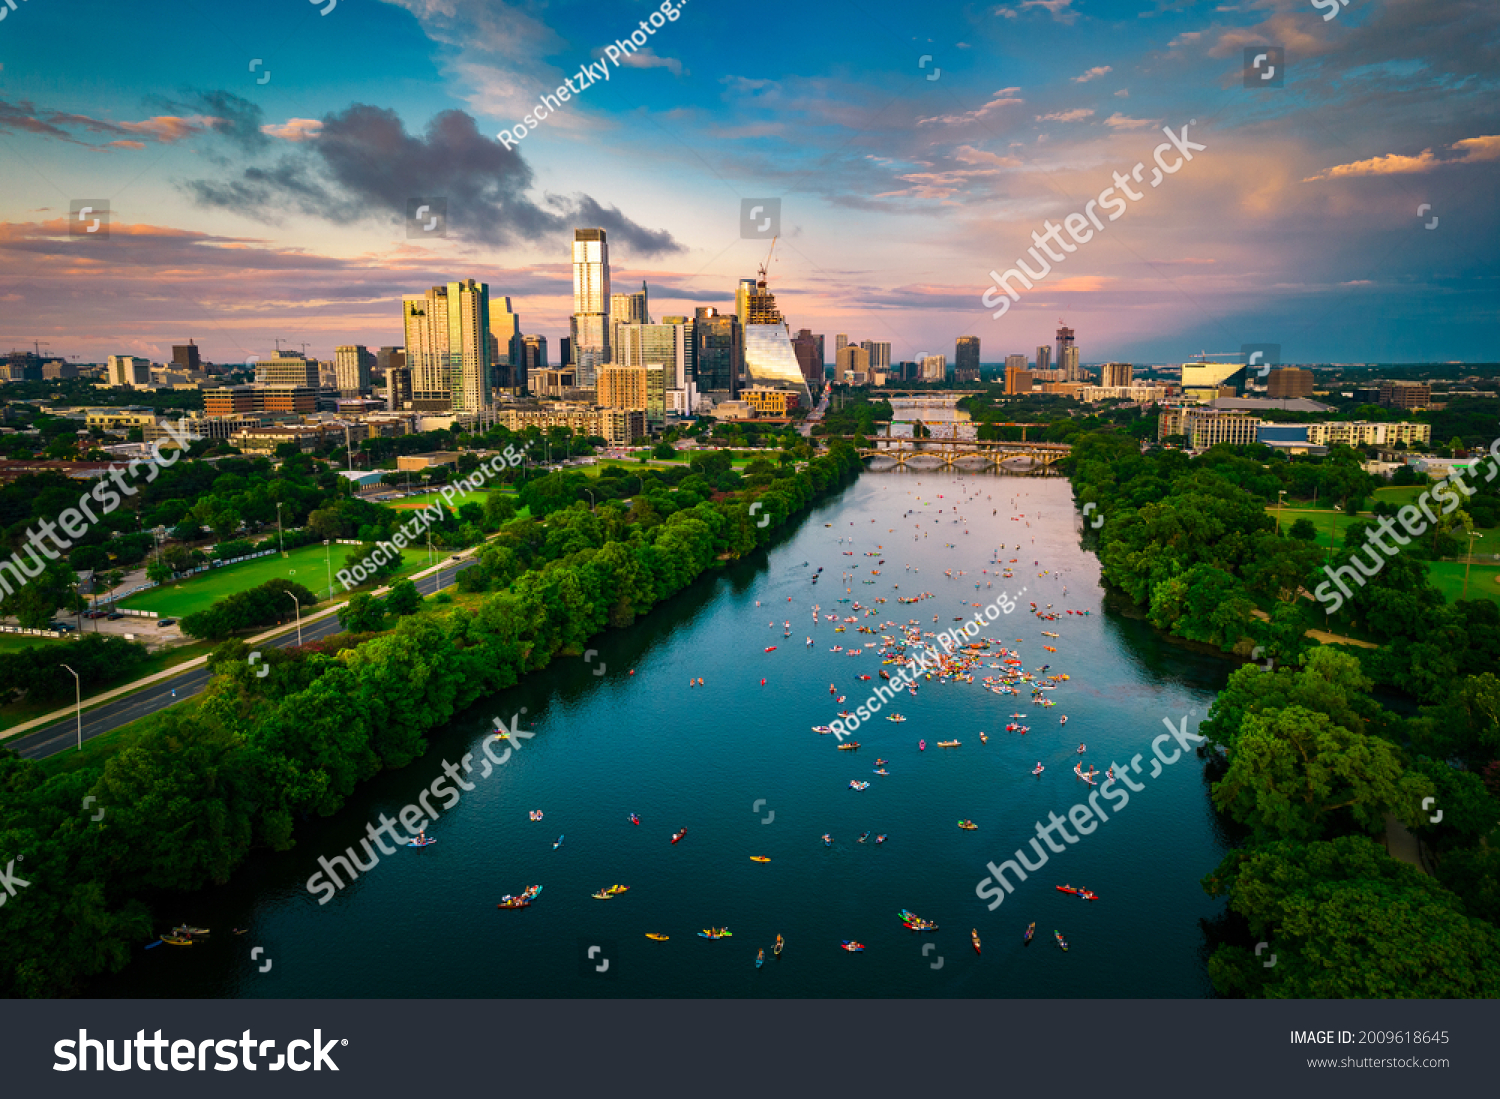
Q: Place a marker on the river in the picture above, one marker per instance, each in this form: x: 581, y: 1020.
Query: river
x: 735, y: 763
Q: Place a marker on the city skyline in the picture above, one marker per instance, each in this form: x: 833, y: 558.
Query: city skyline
x: 241, y: 207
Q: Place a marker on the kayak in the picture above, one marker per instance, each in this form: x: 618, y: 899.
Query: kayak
x: 1062, y: 942
x: 855, y: 785
x: 656, y: 936
x: 780, y: 942
x: 983, y: 739
x: 677, y: 836
x: 1068, y: 889
x: 968, y: 825
x: 558, y: 844
x: 428, y: 842
x: 770, y: 648
x: 827, y: 840
x: 634, y: 819
x: 893, y: 717
x: 760, y: 958
x: 879, y: 839
x: 1039, y: 769
x: 853, y: 744
x: 759, y: 858
x: 716, y: 933
x: 616, y: 890
x: 535, y: 814
x: 881, y: 771
x: 921, y: 745
x: 974, y: 934
x: 863, y: 837
x: 853, y: 947
x: 948, y: 743
x: 1030, y: 931
x: 177, y: 942
x: 602, y: 895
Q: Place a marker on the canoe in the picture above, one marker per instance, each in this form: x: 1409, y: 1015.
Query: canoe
x: 1062, y: 942
x: 677, y: 836
x: 780, y: 942
x: 853, y: 947
x: 616, y: 890
x: 853, y: 744
x: 974, y: 934
x: 1030, y: 931
x: 968, y: 825
x: 602, y: 895
x: 949, y: 743
x: 656, y: 936
x: 759, y: 858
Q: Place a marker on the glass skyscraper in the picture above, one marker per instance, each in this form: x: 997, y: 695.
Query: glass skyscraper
x: 590, y: 327
x: 448, y: 347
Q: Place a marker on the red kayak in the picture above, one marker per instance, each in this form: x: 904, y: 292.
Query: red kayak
x: 679, y: 835
x: 770, y: 648
x: 922, y: 745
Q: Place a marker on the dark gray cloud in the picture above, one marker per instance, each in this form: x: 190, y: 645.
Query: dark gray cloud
x: 365, y: 165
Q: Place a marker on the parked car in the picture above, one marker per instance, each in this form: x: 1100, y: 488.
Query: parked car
x: 113, y: 616
x: 162, y: 623
x: 456, y: 557
x: 60, y: 627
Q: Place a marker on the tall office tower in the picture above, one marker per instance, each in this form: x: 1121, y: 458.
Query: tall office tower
x: 822, y: 362
x: 769, y: 358
x: 129, y: 370
x: 287, y: 368
x: 390, y: 358
x: 533, y: 358
x: 908, y: 371
x: 840, y: 342
x: 1017, y: 377
x: 671, y: 347
x: 742, y: 291
x: 880, y: 355
x: 352, y: 365
x: 1288, y: 381
x: 852, y: 360
x: 565, y: 351
x: 966, y: 359
x: 1115, y: 374
x: 934, y: 368
x: 1069, y: 364
x: 1064, y: 340
x: 1043, y: 357
x: 718, y: 352
x: 505, y: 326
x: 805, y: 346
x: 185, y: 356
x: 590, y: 326
x: 628, y: 309
x: 448, y: 347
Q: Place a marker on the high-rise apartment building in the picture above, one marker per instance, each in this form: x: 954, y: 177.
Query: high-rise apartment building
x: 808, y: 350
x: 821, y: 359
x: 1014, y: 362
x: 670, y: 347
x: 880, y: 355
x: 1288, y: 381
x: 1064, y: 341
x: 397, y: 388
x: 840, y: 342
x: 627, y: 309
x: 1115, y: 374
x: 591, y: 297
x: 390, y: 358
x: 533, y: 357
x: 287, y: 368
x: 966, y: 359
x: 1043, y: 357
x: 352, y: 368
x: 719, y: 351
x: 934, y: 368
x: 505, y: 352
x: 129, y: 370
x: 185, y: 356
x: 622, y: 387
x: 1405, y: 394
x: 852, y: 367
x: 448, y: 347
x: 1069, y: 364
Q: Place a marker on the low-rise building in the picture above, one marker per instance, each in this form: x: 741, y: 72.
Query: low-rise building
x: 1139, y: 393
x: 777, y: 403
x: 1206, y: 427
x: 1365, y: 433
x: 431, y: 460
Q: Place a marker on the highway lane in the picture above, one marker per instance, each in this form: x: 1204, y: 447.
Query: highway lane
x: 47, y: 741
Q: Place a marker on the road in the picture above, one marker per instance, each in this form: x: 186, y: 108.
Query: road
x: 64, y: 735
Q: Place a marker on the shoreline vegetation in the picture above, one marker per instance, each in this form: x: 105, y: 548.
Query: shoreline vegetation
x: 1308, y: 768
x: 201, y: 787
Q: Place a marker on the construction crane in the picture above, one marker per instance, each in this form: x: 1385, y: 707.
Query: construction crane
x: 38, y: 345
x: 762, y: 283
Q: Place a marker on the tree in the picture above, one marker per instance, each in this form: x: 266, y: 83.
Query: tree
x: 158, y: 571
x: 664, y: 451
x: 35, y: 602
x: 403, y: 598
x: 364, y: 613
x: 1291, y: 769
x: 1348, y: 921
x: 1304, y: 531
x: 499, y: 508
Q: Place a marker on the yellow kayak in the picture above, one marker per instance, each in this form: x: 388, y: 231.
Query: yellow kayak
x: 759, y: 858
x: 657, y: 937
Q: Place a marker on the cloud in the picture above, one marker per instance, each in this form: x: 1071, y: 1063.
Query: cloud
x: 23, y: 116
x: 647, y: 58
x: 1074, y: 115
x: 1005, y: 97
x: 1123, y: 93
x: 1061, y: 10
x: 967, y: 154
x: 1120, y: 122
x: 364, y: 165
x: 1093, y: 74
x: 1185, y: 39
x: 294, y: 129
x: 1473, y: 150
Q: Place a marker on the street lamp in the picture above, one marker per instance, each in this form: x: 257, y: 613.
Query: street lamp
x: 328, y: 560
x: 297, y: 603
x: 280, y: 548
x: 78, y: 696
x: 1468, y: 561
x: 1279, y: 494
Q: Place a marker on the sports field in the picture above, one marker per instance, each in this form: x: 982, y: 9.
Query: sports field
x: 307, y: 566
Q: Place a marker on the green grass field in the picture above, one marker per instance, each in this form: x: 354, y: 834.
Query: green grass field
x: 15, y: 642
x: 307, y: 566
x: 1448, y: 578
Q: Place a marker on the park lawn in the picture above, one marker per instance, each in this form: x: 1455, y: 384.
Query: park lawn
x: 1448, y: 578
x: 426, y: 500
x: 307, y: 565
x: 15, y: 642
x: 1400, y: 495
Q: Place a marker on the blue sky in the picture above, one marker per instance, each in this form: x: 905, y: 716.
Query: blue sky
x: 247, y: 207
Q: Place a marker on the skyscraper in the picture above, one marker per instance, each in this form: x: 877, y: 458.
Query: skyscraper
x: 719, y: 352
x: 1069, y: 364
x: 1288, y: 381
x: 1017, y: 377
x: 1043, y: 357
x: 840, y: 342
x: 742, y: 292
x: 627, y: 309
x: 880, y: 355
x: 185, y: 356
x: 671, y: 347
x: 966, y: 359
x: 351, y: 366
x: 809, y: 358
x: 533, y: 358
x: 1064, y: 340
x: 769, y: 358
x: 852, y: 361
x: 590, y: 327
x: 821, y: 360
x: 1115, y: 374
x: 505, y: 326
x: 934, y: 368
x: 448, y: 347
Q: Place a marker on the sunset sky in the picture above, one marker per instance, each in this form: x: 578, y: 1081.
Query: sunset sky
x: 244, y: 209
